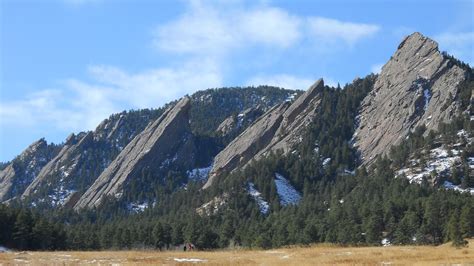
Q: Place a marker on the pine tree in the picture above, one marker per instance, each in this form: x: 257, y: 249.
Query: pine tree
x: 42, y: 237
x: 453, y: 230
x: 22, y: 229
x: 466, y: 221
x: 158, y: 235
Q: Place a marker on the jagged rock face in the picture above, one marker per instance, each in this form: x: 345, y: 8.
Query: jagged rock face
x: 15, y: 178
x: 59, y: 169
x: 277, y: 129
x: 167, y: 138
x: 83, y: 158
x: 416, y: 87
x: 234, y: 123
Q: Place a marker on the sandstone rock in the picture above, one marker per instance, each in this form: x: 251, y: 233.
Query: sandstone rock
x: 62, y: 165
x: 414, y: 88
x: 277, y: 129
x: 15, y: 178
x: 167, y: 138
x: 84, y: 157
x: 7, y: 179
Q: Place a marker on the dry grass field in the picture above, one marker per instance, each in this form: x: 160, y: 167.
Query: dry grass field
x: 315, y: 255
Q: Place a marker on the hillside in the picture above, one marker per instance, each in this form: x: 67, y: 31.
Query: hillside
x: 386, y: 159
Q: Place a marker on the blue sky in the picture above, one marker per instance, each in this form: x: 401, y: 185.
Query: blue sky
x: 65, y: 65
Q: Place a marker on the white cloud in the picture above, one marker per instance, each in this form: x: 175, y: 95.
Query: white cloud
x: 269, y: 26
x: 332, y: 30
x: 460, y: 44
x: 80, y: 105
x: 154, y: 87
x: 214, y: 30
x: 204, y: 39
x: 376, y: 68
x: 220, y: 29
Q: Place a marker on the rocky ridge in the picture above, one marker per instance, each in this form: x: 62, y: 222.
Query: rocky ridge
x: 277, y: 129
x: 167, y: 137
x: 83, y: 157
x: 15, y: 178
x: 417, y: 86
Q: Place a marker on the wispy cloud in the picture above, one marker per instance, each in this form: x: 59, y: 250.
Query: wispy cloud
x: 80, y: 105
x: 200, y: 40
x: 328, y: 29
x: 215, y: 29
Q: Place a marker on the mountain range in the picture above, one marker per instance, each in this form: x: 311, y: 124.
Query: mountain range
x: 213, y: 136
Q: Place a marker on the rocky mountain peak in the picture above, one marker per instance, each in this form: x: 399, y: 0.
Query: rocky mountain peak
x: 25, y: 168
x: 277, y: 129
x: 35, y: 146
x: 416, y: 87
x: 166, y: 139
x: 418, y: 40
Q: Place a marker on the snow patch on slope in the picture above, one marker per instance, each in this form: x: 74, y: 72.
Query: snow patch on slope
x: 449, y: 185
x: 427, y: 97
x: 326, y: 161
x: 287, y: 193
x: 440, y: 162
x: 137, y: 207
x: 199, y: 174
x: 257, y: 196
x: 61, y: 194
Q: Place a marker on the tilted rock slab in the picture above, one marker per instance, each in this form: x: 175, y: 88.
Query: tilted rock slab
x: 414, y: 88
x: 167, y: 137
x: 62, y: 165
x: 278, y: 129
x: 16, y: 177
x: 82, y: 159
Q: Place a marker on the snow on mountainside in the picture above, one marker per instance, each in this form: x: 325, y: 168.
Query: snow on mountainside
x: 19, y: 173
x: 137, y: 207
x: 449, y: 185
x: 438, y: 163
x: 257, y: 196
x: 199, y: 174
x: 287, y: 193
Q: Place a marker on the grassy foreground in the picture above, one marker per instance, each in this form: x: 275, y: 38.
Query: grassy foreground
x: 315, y: 255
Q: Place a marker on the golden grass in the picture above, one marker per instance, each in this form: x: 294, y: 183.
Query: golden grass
x: 314, y: 255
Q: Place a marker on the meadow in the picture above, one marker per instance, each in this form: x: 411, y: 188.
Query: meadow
x: 314, y: 255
